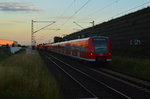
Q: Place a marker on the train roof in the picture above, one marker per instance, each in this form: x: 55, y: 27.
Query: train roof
x: 82, y: 39
x: 99, y: 37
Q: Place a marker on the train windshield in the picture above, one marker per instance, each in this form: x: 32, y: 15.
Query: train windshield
x: 100, y: 45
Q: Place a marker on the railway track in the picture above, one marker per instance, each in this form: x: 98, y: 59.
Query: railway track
x: 94, y: 87
x: 138, y: 82
x: 103, y: 81
x: 69, y: 86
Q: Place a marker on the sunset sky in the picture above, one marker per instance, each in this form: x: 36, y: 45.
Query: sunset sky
x: 16, y: 16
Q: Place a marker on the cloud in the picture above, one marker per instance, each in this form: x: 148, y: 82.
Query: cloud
x: 17, y: 7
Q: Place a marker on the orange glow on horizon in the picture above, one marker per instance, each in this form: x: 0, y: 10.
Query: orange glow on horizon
x: 9, y: 42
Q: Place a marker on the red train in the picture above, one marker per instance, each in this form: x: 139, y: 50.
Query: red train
x: 92, y: 49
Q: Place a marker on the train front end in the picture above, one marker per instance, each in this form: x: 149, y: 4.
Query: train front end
x: 100, y: 49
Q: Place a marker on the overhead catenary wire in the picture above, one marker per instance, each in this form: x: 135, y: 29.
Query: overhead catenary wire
x: 110, y: 4
x: 75, y: 13
x: 43, y: 38
x: 44, y: 27
x: 106, y: 6
x: 73, y: 2
x: 62, y: 14
x: 78, y: 24
x: 126, y: 11
x: 101, y: 9
x: 96, y: 12
x: 40, y: 38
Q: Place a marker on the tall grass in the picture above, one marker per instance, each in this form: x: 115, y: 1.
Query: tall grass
x: 4, y: 55
x: 24, y: 76
x: 132, y: 65
x: 133, y: 60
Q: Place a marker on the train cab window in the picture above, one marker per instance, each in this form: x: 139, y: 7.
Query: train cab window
x: 100, y: 45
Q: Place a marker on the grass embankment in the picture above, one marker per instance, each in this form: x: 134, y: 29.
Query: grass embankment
x: 24, y: 76
x: 4, y: 55
x: 133, y: 63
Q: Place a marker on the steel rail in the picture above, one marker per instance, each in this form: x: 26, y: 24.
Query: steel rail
x: 95, y: 97
x: 128, y: 76
x: 121, y: 80
x: 120, y: 93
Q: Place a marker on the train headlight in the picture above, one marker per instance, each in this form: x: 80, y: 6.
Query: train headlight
x: 91, y: 54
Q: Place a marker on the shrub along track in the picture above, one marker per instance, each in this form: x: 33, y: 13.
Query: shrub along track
x: 105, y: 85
